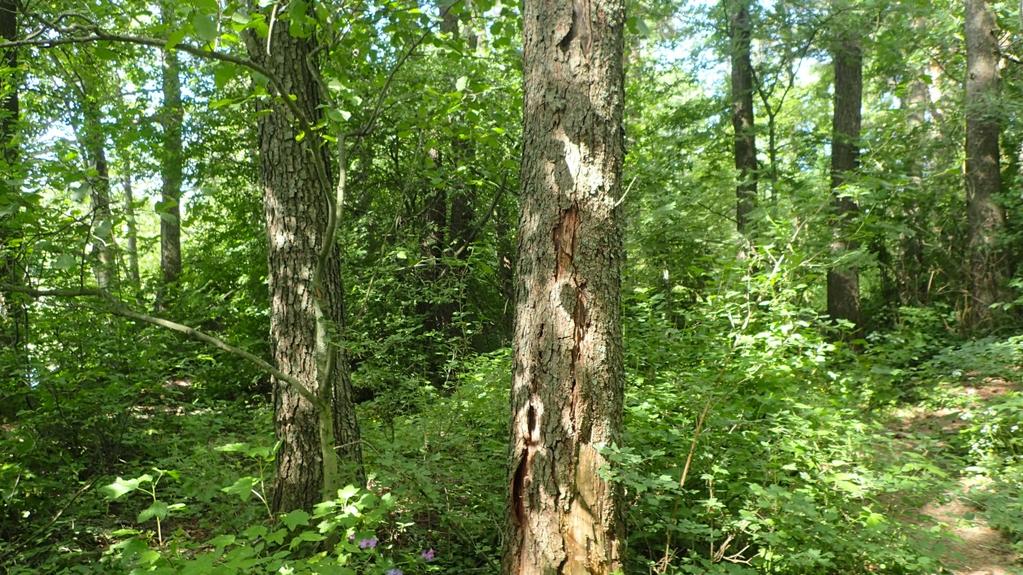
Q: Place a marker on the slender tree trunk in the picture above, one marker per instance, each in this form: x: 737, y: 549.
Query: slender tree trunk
x: 744, y: 134
x: 983, y: 177
x: 563, y: 517
x: 504, y: 219
x: 13, y: 313
x: 447, y: 231
x: 171, y: 160
x: 843, y: 280
x: 432, y: 306
x: 462, y: 154
x: 306, y: 320
x: 94, y: 141
x: 913, y: 269
x: 133, y: 234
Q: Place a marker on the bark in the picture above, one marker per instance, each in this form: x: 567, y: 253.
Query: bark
x: 171, y: 160
x: 913, y: 268
x: 743, y: 128
x: 843, y: 280
x: 504, y: 219
x: 306, y: 319
x: 448, y: 229
x: 432, y: 307
x: 94, y: 142
x: 562, y: 516
x: 13, y: 313
x: 463, y: 153
x: 133, y: 234
x: 983, y: 177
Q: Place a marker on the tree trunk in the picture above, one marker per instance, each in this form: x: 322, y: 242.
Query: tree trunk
x: 432, y: 307
x: 843, y: 280
x: 171, y: 160
x: 94, y: 142
x: 745, y: 139
x: 563, y: 517
x: 133, y: 234
x: 13, y: 313
x: 306, y: 320
x: 983, y: 177
x: 504, y: 219
x: 913, y: 268
x: 462, y: 154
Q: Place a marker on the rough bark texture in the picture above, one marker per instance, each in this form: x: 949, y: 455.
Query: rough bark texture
x: 568, y: 374
x: 843, y: 281
x: 983, y: 177
x: 745, y: 142
x: 94, y: 140
x: 296, y: 210
x: 171, y: 169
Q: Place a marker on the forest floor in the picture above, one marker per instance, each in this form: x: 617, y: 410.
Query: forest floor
x: 967, y: 544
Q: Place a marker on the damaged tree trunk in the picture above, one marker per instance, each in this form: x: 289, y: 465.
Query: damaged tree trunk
x: 563, y: 517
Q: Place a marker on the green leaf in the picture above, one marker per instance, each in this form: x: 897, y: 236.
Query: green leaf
x: 306, y: 536
x: 221, y: 541
x: 347, y: 492
x: 121, y: 486
x: 175, y: 38
x: 65, y: 262
x: 223, y: 73
x: 296, y: 518
x: 233, y: 448
x: 205, y: 27
x: 158, y: 509
x: 255, y: 531
x: 242, y: 488
x: 461, y: 83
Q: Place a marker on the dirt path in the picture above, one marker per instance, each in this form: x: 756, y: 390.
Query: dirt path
x: 970, y: 546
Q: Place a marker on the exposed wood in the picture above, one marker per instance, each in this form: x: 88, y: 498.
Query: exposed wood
x: 563, y: 517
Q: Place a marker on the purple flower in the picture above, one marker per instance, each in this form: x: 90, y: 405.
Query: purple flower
x: 395, y: 571
x: 368, y: 543
x: 428, y: 555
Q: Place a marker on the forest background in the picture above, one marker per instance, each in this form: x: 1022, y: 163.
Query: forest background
x: 820, y: 216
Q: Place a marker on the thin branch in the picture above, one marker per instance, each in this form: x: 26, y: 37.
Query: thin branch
x: 118, y: 307
x: 95, y: 34
x: 368, y: 126
x: 486, y: 218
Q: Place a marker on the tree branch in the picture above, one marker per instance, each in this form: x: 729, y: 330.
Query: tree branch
x: 118, y: 307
